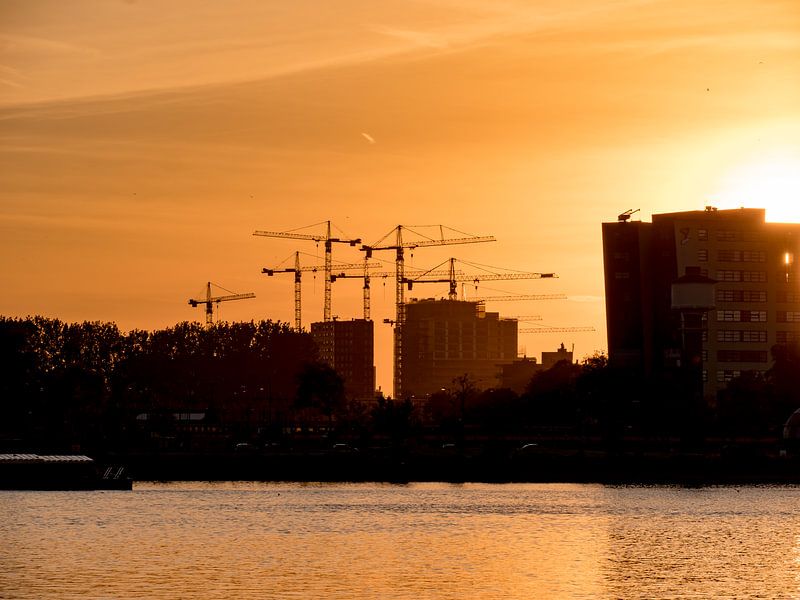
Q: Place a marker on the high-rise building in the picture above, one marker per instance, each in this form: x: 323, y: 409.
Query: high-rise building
x: 757, y: 294
x: 348, y: 347
x: 445, y: 339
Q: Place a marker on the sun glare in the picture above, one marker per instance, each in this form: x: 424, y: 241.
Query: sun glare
x: 773, y: 184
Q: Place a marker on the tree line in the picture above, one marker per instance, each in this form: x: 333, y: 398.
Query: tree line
x: 85, y: 384
x: 89, y: 386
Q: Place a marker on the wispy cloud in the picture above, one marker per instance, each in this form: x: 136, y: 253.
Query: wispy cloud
x: 424, y: 39
x: 31, y: 45
x: 10, y: 83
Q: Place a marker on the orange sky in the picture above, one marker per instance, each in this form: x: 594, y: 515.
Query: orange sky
x: 144, y: 141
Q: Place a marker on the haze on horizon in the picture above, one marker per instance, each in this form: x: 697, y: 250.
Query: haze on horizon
x: 143, y: 142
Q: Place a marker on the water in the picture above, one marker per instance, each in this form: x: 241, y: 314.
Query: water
x: 418, y: 541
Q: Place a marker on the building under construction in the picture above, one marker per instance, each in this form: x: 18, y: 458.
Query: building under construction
x: 445, y: 339
x: 348, y: 347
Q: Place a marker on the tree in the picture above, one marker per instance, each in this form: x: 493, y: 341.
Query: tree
x: 320, y: 387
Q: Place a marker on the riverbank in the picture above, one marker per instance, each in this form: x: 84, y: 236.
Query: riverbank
x: 449, y: 466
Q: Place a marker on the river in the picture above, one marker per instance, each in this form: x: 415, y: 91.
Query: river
x: 414, y: 541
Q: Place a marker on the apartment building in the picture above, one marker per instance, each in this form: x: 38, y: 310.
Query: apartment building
x: 757, y: 293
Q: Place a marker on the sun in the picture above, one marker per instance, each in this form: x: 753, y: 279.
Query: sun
x: 771, y: 182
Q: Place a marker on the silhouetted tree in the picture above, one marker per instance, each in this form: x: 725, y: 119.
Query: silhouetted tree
x: 320, y: 387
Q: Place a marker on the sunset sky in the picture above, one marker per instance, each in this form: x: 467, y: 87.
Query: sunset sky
x: 143, y: 142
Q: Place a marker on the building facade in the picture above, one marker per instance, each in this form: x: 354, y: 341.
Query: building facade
x: 349, y: 348
x: 445, y: 339
x: 517, y: 375
x: 757, y: 294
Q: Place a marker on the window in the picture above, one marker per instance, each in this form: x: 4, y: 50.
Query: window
x: 758, y: 336
x: 754, y: 335
x: 789, y: 297
x: 751, y: 236
x: 622, y: 275
x: 622, y: 255
x: 726, y: 376
x: 729, y: 315
x: 728, y: 235
x: 702, y: 235
x: 729, y: 256
x: 741, y: 355
x: 757, y: 276
x: 754, y: 316
x: 729, y: 335
x: 702, y: 255
x: 788, y: 316
x: 785, y: 337
x: 746, y: 276
x: 729, y: 276
x: 741, y: 296
x: 757, y: 256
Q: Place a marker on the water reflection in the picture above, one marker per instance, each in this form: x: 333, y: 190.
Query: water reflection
x: 254, y: 540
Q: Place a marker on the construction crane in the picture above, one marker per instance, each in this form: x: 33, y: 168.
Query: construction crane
x: 453, y: 278
x: 554, y: 329
x: 399, y: 246
x: 329, y: 241
x: 624, y: 217
x: 519, y: 297
x: 298, y: 271
x: 209, y: 301
x: 367, y: 275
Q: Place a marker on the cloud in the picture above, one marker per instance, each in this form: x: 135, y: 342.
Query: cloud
x: 37, y: 46
x: 425, y: 39
x: 10, y: 83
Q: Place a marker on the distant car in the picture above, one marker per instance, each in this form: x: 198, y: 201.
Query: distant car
x: 344, y: 448
x: 245, y: 447
x: 527, y: 449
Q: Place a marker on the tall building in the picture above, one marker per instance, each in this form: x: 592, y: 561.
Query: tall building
x: 349, y: 347
x: 445, y: 339
x: 757, y: 295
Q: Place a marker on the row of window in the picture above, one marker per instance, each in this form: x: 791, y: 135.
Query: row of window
x: 741, y: 296
x: 758, y: 336
x: 742, y: 316
x: 749, y: 356
x: 788, y: 297
x: 756, y: 256
x: 746, y: 276
x: 730, y: 235
x: 757, y: 316
x: 787, y: 337
x: 756, y: 296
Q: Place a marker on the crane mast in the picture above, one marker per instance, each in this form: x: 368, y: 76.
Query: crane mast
x: 328, y: 241
x: 298, y: 271
x: 400, y: 310
x: 366, y: 276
